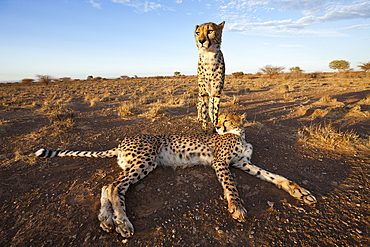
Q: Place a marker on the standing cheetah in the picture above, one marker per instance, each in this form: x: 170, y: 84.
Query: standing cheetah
x: 211, y: 71
x: 139, y: 155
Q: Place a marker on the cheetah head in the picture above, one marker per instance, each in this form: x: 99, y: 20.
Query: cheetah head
x: 230, y: 123
x: 208, y: 36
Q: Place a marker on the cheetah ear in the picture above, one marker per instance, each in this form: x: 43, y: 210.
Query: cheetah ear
x: 221, y: 25
x: 196, y: 27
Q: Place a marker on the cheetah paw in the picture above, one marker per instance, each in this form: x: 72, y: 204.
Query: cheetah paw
x: 106, y: 211
x: 106, y: 221
x: 308, y: 198
x: 237, y: 211
x: 124, y: 227
x: 303, y: 195
x: 298, y: 192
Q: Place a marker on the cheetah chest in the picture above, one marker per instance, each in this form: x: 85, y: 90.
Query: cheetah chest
x: 210, y: 72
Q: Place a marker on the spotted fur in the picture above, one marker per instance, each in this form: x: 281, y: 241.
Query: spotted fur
x: 211, y: 71
x: 139, y: 155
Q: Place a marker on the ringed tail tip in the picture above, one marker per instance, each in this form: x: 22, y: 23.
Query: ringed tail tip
x: 40, y: 152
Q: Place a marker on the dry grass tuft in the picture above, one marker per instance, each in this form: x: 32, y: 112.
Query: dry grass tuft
x: 127, y: 108
x: 365, y: 101
x: 328, y: 136
x: 93, y: 99
x: 29, y: 159
x: 156, y: 111
x: 235, y: 100
x: 54, y: 129
x: 327, y: 99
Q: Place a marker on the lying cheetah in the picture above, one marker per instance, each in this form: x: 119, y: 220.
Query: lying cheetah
x: 139, y: 155
x: 211, y: 71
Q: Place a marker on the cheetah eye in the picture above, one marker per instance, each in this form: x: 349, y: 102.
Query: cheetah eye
x: 197, y: 33
x: 210, y: 31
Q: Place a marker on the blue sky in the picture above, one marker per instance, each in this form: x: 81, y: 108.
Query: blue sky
x: 110, y: 38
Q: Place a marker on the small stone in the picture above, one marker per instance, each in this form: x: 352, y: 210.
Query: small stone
x: 139, y: 187
x: 87, y: 236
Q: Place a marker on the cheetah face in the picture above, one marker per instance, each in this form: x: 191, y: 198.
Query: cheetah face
x: 208, y: 36
x: 230, y: 123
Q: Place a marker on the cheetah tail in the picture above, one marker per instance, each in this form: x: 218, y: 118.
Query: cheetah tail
x: 68, y: 153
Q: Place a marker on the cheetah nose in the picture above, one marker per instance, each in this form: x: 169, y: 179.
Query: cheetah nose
x: 202, y: 41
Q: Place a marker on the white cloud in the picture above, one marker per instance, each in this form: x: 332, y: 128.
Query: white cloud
x: 143, y: 5
x: 291, y: 46
x: 359, y: 26
x: 282, y: 28
x: 94, y: 4
x: 313, y: 12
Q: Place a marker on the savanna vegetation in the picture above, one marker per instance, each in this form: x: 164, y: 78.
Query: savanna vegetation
x: 313, y: 128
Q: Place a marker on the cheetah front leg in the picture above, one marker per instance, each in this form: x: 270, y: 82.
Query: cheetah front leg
x: 214, y: 103
x: 202, y: 109
x: 281, y: 182
x: 231, y: 195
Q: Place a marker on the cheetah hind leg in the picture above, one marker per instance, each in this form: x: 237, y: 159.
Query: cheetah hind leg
x: 281, y: 182
x: 107, y: 217
x: 106, y: 211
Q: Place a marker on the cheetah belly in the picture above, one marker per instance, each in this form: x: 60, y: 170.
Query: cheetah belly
x: 183, y: 159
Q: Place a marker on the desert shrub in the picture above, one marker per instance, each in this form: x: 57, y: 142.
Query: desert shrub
x: 65, y: 79
x: 98, y: 78
x: 295, y: 73
x: 365, y: 66
x: 238, y: 74
x: 340, y: 65
x: 27, y: 81
x: 244, y: 90
x: 315, y: 75
x: 46, y: 79
x: 272, y: 70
